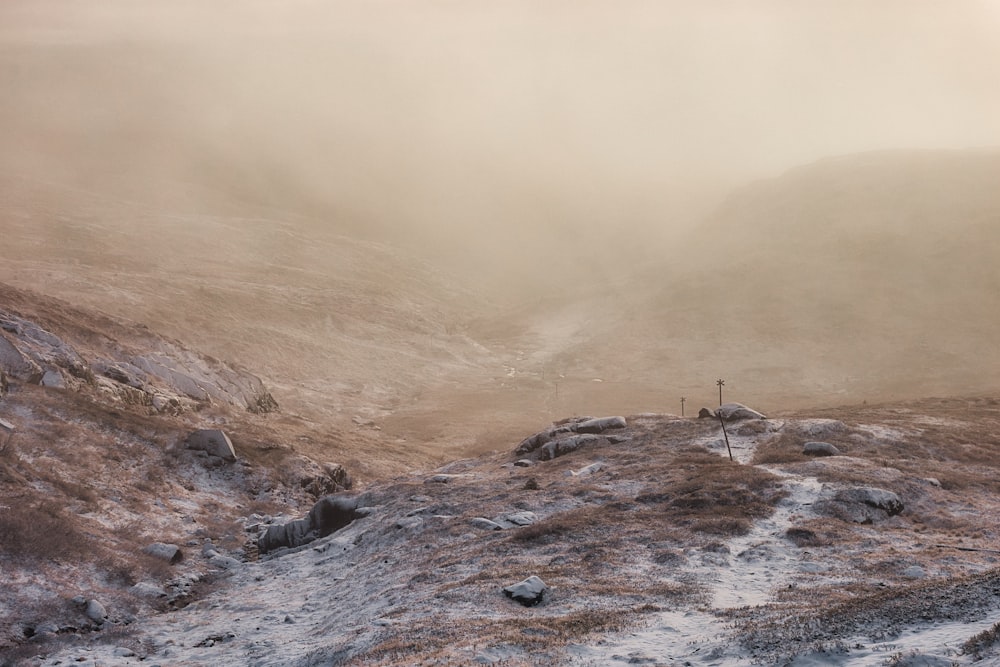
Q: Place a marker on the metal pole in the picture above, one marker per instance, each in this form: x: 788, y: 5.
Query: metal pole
x: 682, y: 405
x: 721, y: 383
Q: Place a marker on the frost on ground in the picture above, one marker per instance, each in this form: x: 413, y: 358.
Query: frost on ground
x: 665, y: 553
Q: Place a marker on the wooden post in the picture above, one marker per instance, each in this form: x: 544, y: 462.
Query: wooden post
x: 721, y: 383
x: 682, y: 405
x: 726, y: 436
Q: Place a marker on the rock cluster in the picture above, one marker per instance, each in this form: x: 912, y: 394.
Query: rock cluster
x: 165, y: 376
x: 571, y: 435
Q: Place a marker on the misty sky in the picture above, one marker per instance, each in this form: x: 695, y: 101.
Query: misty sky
x: 475, y: 117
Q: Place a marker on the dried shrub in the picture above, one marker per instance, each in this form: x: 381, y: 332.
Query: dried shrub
x: 41, y: 530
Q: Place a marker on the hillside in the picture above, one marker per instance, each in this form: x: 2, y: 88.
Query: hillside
x: 857, y: 278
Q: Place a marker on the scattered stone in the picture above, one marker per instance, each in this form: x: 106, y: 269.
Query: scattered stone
x: 168, y: 552
x: 736, y: 411
x: 485, y: 524
x: 409, y: 522
x: 123, y: 652
x: 524, y: 463
x: 529, y: 592
x: 531, y: 484
x: 914, y: 572
x: 213, y: 441
x: 820, y: 449
x: 705, y: 413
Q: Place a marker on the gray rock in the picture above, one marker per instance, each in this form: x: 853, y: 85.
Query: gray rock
x: 588, y: 470
x: 145, y: 589
x: 914, y: 572
x: 820, y: 449
x: 213, y: 441
x: 565, y: 445
x: 523, y: 518
x: 524, y: 463
x: 16, y: 365
x: 737, y: 411
x: 600, y: 425
x: 327, y: 516
x: 529, y: 592
x: 168, y: 552
x: 123, y: 652
x: 96, y: 612
x: 485, y: 524
x: 862, y: 505
x: 224, y: 562
x: 705, y: 413
x: 53, y: 379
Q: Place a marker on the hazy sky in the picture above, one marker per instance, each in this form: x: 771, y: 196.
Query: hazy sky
x: 492, y: 119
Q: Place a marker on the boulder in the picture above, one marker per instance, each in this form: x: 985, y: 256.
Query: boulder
x: 213, y: 441
x: 168, y: 552
x: 325, y: 480
x: 705, y: 413
x: 862, y: 505
x: 16, y: 365
x: 327, y: 516
x: 563, y: 446
x: 600, y: 425
x: 736, y: 411
x: 529, y: 592
x: 582, y: 425
x: 53, y: 379
x: 96, y: 612
x: 820, y: 449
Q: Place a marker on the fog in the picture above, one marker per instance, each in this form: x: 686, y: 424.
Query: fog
x: 491, y: 136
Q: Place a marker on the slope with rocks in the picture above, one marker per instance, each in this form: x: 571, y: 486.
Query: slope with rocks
x: 653, y: 549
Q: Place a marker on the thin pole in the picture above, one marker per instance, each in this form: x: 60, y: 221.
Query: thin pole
x: 726, y: 435
x: 721, y: 383
x: 682, y: 405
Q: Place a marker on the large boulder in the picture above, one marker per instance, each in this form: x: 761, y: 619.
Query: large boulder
x: 736, y: 411
x: 214, y: 442
x: 168, y: 552
x: 327, y: 516
x: 863, y: 504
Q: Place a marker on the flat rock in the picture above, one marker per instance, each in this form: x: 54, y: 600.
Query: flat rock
x: 485, y: 524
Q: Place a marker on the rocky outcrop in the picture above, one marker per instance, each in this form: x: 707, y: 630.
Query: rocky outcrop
x: 327, y: 516
x: 705, y: 413
x: 213, y: 442
x: 570, y: 435
x: 136, y: 368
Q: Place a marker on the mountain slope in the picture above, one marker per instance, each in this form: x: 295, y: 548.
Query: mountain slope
x: 854, y: 278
